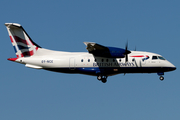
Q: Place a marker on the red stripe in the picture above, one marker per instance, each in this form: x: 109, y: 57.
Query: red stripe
x: 31, y: 53
x: 138, y: 56
x: 11, y: 39
x: 36, y: 48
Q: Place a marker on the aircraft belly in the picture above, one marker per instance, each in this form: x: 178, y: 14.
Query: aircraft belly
x: 108, y: 70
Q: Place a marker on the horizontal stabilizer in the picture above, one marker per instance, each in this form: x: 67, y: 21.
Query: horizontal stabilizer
x: 33, y: 66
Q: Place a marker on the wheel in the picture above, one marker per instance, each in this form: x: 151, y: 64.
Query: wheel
x: 161, y: 78
x: 104, y: 80
x: 99, y: 77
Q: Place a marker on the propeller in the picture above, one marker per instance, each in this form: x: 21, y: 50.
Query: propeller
x: 126, y: 52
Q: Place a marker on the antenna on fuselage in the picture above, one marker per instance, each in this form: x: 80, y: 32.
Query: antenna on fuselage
x: 135, y: 48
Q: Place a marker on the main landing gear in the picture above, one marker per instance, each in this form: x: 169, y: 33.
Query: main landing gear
x: 102, y: 78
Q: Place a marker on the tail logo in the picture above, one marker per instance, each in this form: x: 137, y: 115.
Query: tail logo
x: 23, y: 48
x: 22, y: 43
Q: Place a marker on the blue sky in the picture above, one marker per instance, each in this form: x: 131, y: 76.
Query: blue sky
x: 152, y: 25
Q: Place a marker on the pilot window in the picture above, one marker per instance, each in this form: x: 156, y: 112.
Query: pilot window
x: 154, y: 58
x: 158, y: 57
x: 161, y: 58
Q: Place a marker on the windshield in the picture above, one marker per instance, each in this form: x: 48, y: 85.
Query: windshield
x: 161, y: 58
x: 154, y: 57
x: 158, y: 57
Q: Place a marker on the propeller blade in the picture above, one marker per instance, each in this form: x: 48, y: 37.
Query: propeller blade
x: 126, y: 57
x: 126, y: 52
x: 127, y: 45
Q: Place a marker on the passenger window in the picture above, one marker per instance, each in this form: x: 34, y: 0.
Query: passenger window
x: 88, y: 60
x: 102, y: 60
x: 154, y: 58
x: 113, y: 60
x: 119, y: 60
x: 95, y: 60
x: 107, y: 60
x: 81, y: 60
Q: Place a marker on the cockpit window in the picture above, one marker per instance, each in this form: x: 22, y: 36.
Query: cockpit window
x: 161, y: 58
x: 158, y: 57
x: 154, y: 58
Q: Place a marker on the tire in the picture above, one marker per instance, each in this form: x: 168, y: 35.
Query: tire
x: 161, y: 78
x: 99, y: 77
x: 104, y: 80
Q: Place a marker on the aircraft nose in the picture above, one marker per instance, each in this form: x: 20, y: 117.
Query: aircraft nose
x: 171, y: 67
x: 174, y: 68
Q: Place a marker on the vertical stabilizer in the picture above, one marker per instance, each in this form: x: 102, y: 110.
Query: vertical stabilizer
x: 22, y: 43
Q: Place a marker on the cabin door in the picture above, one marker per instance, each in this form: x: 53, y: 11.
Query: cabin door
x: 72, y: 63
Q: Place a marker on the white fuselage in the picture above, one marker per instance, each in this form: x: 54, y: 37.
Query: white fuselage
x: 85, y: 63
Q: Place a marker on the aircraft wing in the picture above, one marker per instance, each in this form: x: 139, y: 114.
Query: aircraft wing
x: 103, y: 51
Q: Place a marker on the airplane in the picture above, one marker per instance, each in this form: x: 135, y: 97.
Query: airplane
x: 100, y: 61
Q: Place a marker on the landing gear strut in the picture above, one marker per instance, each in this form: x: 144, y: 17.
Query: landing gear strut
x: 161, y: 78
x: 102, y: 78
x: 161, y: 75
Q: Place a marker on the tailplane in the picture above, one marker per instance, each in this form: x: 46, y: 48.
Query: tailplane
x: 22, y: 43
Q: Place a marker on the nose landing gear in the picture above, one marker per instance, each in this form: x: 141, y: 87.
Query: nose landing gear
x: 102, y: 78
x: 161, y: 77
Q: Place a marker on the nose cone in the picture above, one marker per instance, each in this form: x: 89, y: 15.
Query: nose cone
x: 170, y: 66
x: 173, y: 68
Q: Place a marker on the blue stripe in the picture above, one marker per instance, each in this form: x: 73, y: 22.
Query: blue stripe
x: 15, y: 49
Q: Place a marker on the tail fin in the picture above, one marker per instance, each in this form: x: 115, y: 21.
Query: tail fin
x: 22, y: 43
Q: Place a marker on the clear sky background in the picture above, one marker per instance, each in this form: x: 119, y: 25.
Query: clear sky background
x: 149, y: 25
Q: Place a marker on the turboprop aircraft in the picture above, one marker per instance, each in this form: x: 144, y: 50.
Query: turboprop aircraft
x: 100, y: 61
